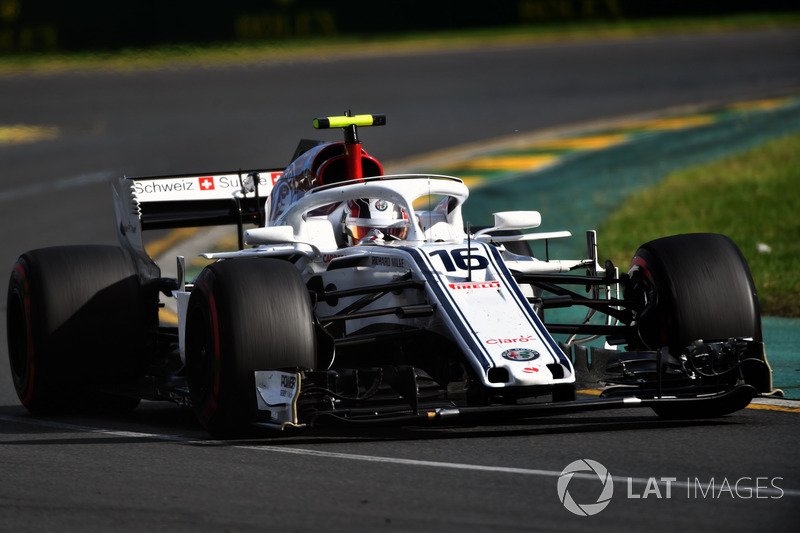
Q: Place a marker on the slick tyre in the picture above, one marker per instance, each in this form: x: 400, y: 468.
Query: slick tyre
x: 244, y: 315
x: 77, y: 322
x: 690, y: 287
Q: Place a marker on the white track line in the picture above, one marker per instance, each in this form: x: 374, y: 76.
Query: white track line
x: 62, y: 184
x: 378, y: 459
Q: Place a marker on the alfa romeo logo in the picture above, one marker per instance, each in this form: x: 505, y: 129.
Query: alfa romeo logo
x: 585, y: 509
x: 520, y: 354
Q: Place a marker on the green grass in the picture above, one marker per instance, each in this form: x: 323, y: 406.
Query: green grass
x: 209, y: 55
x: 753, y: 197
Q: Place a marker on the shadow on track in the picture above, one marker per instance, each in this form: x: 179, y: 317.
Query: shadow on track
x: 167, y: 423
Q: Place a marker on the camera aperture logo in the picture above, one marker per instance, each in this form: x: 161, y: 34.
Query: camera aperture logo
x: 585, y: 509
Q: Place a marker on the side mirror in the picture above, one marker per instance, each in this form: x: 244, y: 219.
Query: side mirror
x: 513, y: 220
x: 269, y: 235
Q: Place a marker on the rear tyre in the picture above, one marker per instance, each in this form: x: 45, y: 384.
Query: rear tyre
x: 77, y: 319
x: 244, y: 315
x: 692, y: 287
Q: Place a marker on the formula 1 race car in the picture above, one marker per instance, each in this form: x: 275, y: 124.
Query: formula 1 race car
x: 362, y: 297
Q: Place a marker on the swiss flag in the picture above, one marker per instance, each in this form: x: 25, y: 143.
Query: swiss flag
x: 207, y: 184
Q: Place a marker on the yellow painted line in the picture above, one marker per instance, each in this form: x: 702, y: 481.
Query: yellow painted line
x: 591, y: 142
x: 514, y: 162
x: 593, y: 392
x: 229, y: 242
x: 669, y: 123
x: 679, y: 123
x: 472, y: 181
x: 165, y: 316
x: 761, y: 105
x: 774, y: 408
x: 20, y: 134
x: 158, y: 247
x: 201, y: 262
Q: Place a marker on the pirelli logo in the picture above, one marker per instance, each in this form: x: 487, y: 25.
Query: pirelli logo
x: 474, y: 285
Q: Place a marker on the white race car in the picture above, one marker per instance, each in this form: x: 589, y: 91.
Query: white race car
x: 362, y: 297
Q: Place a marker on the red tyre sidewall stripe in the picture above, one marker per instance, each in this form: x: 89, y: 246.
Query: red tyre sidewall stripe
x: 26, y: 297
x: 637, y: 261
x: 641, y: 263
x: 212, y: 406
x: 217, y: 358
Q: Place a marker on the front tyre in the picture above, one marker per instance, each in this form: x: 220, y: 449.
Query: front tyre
x: 690, y: 287
x: 244, y: 315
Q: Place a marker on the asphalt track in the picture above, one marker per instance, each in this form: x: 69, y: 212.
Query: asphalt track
x: 154, y: 469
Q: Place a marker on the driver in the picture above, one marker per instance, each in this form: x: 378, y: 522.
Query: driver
x: 374, y: 221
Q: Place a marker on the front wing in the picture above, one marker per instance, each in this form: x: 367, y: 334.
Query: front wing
x: 405, y: 395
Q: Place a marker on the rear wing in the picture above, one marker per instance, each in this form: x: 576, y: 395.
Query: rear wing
x: 198, y: 199
x: 188, y: 200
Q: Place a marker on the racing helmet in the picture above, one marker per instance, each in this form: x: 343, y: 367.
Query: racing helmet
x: 374, y: 219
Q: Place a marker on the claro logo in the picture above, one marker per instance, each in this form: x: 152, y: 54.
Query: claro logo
x: 513, y: 340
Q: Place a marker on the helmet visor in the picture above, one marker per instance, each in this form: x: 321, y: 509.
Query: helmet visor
x: 358, y: 228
